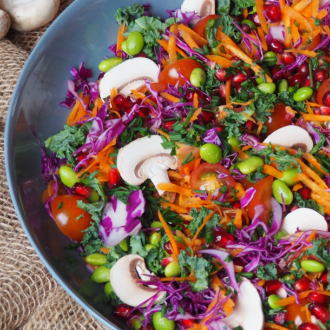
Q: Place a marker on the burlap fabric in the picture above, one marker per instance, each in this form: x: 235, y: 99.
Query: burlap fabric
x: 30, y: 298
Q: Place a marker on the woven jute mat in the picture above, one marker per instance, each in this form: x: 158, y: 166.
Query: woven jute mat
x: 30, y: 298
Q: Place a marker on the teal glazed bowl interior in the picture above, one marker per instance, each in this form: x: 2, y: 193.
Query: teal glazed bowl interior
x: 82, y: 33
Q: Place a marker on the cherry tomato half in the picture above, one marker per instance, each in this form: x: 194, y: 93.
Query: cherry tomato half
x: 322, y: 90
x: 50, y: 190
x: 70, y: 219
x: 170, y: 74
x: 262, y: 196
x: 278, y: 119
x: 206, y: 177
x: 199, y: 28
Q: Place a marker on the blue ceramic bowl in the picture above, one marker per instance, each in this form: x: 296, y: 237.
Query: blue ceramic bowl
x: 82, y: 33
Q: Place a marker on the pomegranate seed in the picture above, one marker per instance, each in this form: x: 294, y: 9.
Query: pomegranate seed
x: 120, y: 101
x: 235, y: 59
x: 239, y: 262
x: 288, y: 58
x: 324, y: 110
x: 277, y: 46
x: 273, y: 13
x: 114, y: 178
x: 249, y: 125
x: 294, y: 208
x: 297, y: 78
x: 221, y: 75
x: 316, y: 297
x: 324, y: 278
x: 168, y: 125
x: 239, y: 78
x: 305, y: 193
x: 206, y: 116
x: 166, y: 261
x: 122, y: 311
x: 237, y: 205
x: 143, y: 112
x: 321, y: 312
x: 246, y: 28
x: 304, y: 69
x: 326, y: 99
x: 141, y: 55
x: 221, y: 128
x: 320, y: 75
x: 274, y: 71
x: 81, y: 190
x: 272, y: 286
x: 255, y: 19
x: 190, y: 96
x: 308, y: 326
x: 317, y: 111
x: 186, y: 323
x: 221, y: 237
x: 168, y: 247
x: 279, y: 318
x: 302, y: 285
x: 288, y: 74
x: 81, y: 156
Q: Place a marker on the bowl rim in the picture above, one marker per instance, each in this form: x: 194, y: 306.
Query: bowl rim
x: 9, y: 130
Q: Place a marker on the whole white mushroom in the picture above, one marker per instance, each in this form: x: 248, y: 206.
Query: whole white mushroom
x: 4, y: 23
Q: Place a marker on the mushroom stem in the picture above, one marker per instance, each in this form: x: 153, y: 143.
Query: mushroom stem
x: 158, y: 174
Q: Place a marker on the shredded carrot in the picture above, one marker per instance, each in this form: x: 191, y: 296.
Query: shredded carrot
x: 301, y: 5
x: 260, y: 126
x: 225, y: 39
x: 309, y: 36
x: 241, y: 154
x: 188, y: 39
x: 326, y: 293
x: 287, y: 26
x: 246, y: 148
x: 172, y: 43
x: 120, y: 37
x: 308, y: 53
x: 71, y: 119
x: 321, y: 201
x: 227, y: 88
x: 225, y: 63
x: 270, y: 170
x: 238, y: 219
x: 313, y: 186
x: 195, y: 115
x: 297, y: 187
x: 174, y: 207
x: 301, y: 20
x: 105, y: 250
x: 159, y: 131
x: 170, y: 235
x: 205, y: 221
x: 261, y: 282
x: 294, y: 32
x: 322, y: 14
x: 256, y: 68
x: 260, y: 12
x: 315, y: 7
x: 198, y: 326
x: 291, y: 300
x: 262, y: 38
x: 311, y: 173
x: 179, y: 279
x: 311, y: 236
x: 198, y: 39
x: 275, y: 326
x: 170, y: 97
x: 312, y: 160
x: 78, y: 111
x: 307, y: 12
x: 245, y: 13
x: 165, y: 45
x: 171, y: 187
x: 240, y: 191
x: 195, y: 101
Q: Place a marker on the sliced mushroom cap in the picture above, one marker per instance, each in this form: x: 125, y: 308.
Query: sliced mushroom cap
x: 293, y: 137
x: 304, y: 219
x: 4, y: 23
x: 248, y: 311
x: 146, y: 158
x: 123, y: 277
x: 200, y: 7
x: 135, y: 85
x: 127, y: 72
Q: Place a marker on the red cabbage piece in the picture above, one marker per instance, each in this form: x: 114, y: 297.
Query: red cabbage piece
x: 248, y: 197
x: 184, y: 18
x: 211, y: 136
x: 310, y: 129
x: 120, y: 220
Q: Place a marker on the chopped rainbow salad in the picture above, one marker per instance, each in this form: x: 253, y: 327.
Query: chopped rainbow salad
x: 193, y: 176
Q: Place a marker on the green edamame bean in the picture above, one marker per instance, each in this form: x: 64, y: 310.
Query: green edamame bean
x: 291, y: 89
x: 155, y: 238
x: 96, y: 259
x: 124, y: 245
x: 94, y: 197
x: 272, y: 299
x: 149, y: 247
x: 109, y: 63
x: 283, y: 86
x: 137, y: 323
x: 108, y: 288
x: 211, y: 153
x: 156, y: 224
x: 250, y: 165
x: 68, y: 176
x: 198, y: 77
x: 288, y: 177
x: 287, y: 277
x: 172, y: 269
x: 162, y: 323
x: 101, y: 275
x: 270, y: 54
x: 135, y: 43
x: 233, y: 141
x: 281, y: 233
x: 124, y: 46
x: 249, y: 23
x: 267, y: 88
x: 303, y: 94
x: 281, y: 189
x: 259, y: 80
x: 312, y: 266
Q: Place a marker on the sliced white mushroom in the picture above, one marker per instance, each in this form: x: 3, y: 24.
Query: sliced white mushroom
x: 304, y: 219
x: 4, y: 23
x: 134, y: 85
x: 282, y: 293
x: 248, y: 311
x: 200, y: 7
x: 139, y: 68
x: 123, y: 277
x: 293, y: 137
x: 27, y: 15
x: 146, y: 158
